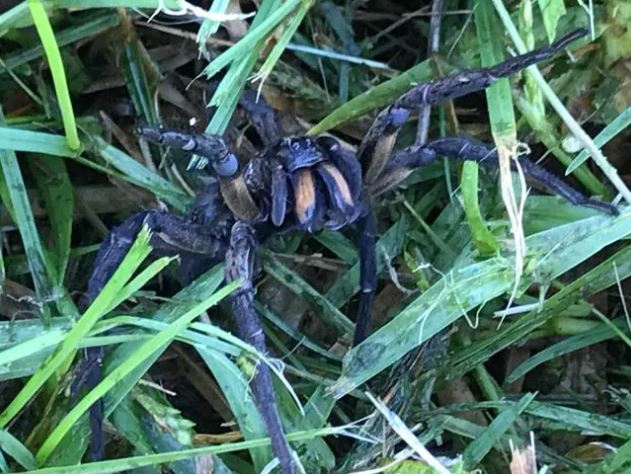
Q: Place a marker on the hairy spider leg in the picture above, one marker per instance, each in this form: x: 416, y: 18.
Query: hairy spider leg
x: 367, y: 229
x: 406, y: 160
x: 377, y: 145
x: 240, y: 266
x: 222, y: 163
x: 376, y: 149
x: 170, y: 235
x: 263, y: 117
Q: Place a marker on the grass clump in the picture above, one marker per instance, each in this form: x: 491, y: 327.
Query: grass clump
x: 499, y: 337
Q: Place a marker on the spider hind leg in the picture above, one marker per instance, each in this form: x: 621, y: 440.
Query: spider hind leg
x: 378, y: 143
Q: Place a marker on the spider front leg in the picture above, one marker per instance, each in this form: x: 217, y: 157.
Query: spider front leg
x: 218, y: 160
x: 240, y: 266
x: 379, y: 141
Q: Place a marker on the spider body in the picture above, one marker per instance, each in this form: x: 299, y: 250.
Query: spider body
x: 309, y: 184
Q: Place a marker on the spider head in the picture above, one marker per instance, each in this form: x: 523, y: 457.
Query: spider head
x: 299, y: 152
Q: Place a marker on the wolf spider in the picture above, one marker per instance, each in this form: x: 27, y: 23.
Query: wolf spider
x: 305, y: 183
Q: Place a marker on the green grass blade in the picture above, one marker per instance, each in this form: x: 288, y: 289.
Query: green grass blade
x: 466, y: 287
x: 210, y: 27
x: 140, y: 175
x: 597, y: 279
x: 492, y: 435
x: 47, y: 37
x: 39, y: 266
x: 156, y: 344
x: 551, y: 11
x: 31, y: 347
x: 234, y: 387
x: 567, y: 346
x: 483, y: 238
x: 138, y: 252
x: 95, y: 25
x: 558, y: 106
x: 281, y: 43
x: 55, y: 189
x: 12, y: 446
x: 17, y: 139
x: 612, y: 129
x: 375, y: 98
x: 328, y: 311
x: 124, y: 464
x: 136, y: 68
x: 226, y: 97
x: 15, y: 17
x: 388, y: 245
x: 255, y: 35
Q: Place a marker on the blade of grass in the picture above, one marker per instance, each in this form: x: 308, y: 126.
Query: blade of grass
x: 14, y: 448
x: 483, y: 238
x: 234, y: 387
x: 294, y: 282
x: 397, y: 424
x: 210, y: 27
x: 374, y: 98
x: 55, y: 189
x: 47, y: 37
x: 140, y: 175
x: 141, y: 81
x: 157, y: 343
x: 226, y: 97
x: 15, y: 17
x: 469, y: 285
x: 41, y: 273
x: 551, y: 11
x: 487, y: 439
x: 257, y: 33
x: 281, y: 43
x: 558, y: 106
x: 503, y: 124
x: 612, y: 129
x: 595, y: 280
x: 69, y: 451
x: 388, y: 245
x: 138, y: 252
x: 124, y: 464
x: 91, y: 27
x: 567, y: 346
x: 569, y: 419
x: 16, y: 139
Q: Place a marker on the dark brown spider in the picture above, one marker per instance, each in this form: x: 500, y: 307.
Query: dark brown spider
x: 308, y: 183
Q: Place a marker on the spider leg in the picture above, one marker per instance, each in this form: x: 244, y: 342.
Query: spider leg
x: 280, y: 193
x: 406, y: 160
x: 240, y: 265
x: 262, y: 115
x: 367, y: 229
x: 223, y: 163
x: 380, y: 138
x: 171, y: 234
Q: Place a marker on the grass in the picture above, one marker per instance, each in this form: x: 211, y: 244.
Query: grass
x: 448, y: 378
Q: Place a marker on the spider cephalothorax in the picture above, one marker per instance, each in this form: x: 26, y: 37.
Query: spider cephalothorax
x: 305, y: 183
